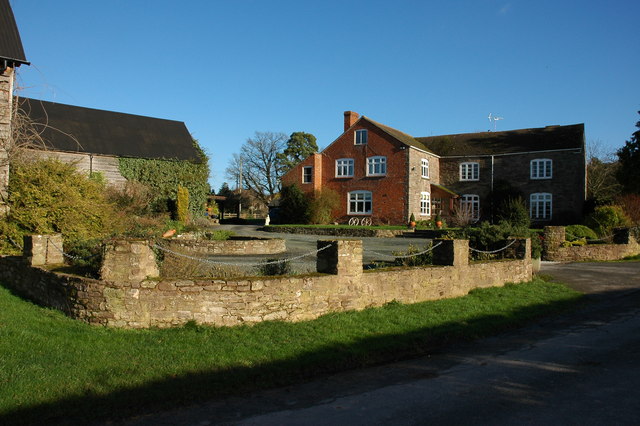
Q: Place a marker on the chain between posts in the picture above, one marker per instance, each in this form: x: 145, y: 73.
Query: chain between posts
x: 213, y: 262
x: 493, y: 251
x: 70, y: 256
x: 408, y: 255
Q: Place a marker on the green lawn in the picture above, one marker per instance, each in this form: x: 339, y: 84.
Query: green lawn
x: 54, y: 368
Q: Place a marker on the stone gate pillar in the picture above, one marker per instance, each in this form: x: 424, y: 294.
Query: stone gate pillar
x: 43, y: 249
x: 342, y: 257
x: 451, y: 252
x: 128, y: 260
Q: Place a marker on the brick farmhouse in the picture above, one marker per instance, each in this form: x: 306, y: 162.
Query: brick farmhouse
x: 387, y: 175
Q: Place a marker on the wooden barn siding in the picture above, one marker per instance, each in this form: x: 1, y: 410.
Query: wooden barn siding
x: 106, y: 165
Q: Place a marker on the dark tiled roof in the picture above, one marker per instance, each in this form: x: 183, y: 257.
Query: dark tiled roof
x: 10, y: 43
x: 401, y: 136
x: 76, y: 129
x: 512, y: 141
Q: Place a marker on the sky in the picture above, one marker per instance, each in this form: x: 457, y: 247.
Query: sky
x: 228, y: 69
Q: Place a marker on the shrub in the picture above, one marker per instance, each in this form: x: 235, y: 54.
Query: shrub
x: 605, y: 218
x: 182, y: 205
x: 271, y: 269
x: 85, y: 255
x: 294, y: 206
x: 49, y: 196
x: 10, y: 238
x: 322, y: 206
x: 134, y: 198
x: 487, y: 237
x: 417, y: 260
x: 575, y: 232
x: 462, y: 216
x: 630, y: 204
x: 514, y: 211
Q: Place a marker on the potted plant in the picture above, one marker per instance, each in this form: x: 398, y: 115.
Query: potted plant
x: 438, y: 221
x: 412, y: 221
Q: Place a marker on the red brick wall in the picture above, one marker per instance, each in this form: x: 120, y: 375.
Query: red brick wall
x: 294, y: 176
x: 388, y: 192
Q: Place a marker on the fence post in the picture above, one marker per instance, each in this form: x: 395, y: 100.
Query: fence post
x: 451, y: 252
x: 128, y: 260
x: 621, y: 235
x: 343, y: 257
x: 43, y: 249
x: 523, y: 248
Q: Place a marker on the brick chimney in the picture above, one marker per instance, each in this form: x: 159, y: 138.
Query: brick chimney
x: 350, y: 117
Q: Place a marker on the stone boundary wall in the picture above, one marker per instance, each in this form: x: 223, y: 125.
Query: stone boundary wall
x: 237, y: 246
x: 337, y: 232
x: 624, y: 245
x: 339, y: 285
x: 78, y: 297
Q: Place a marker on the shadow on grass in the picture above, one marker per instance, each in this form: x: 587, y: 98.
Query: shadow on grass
x: 197, y: 387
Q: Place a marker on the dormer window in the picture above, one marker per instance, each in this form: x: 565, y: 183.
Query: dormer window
x: 361, y: 137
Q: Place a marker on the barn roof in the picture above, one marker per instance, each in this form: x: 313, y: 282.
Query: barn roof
x: 11, y: 49
x: 76, y: 129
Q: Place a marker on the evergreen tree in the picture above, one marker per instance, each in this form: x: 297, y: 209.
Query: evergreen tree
x: 299, y: 146
x: 629, y: 156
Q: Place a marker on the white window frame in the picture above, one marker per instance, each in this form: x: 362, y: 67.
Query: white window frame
x: 307, y: 172
x: 541, y: 168
x: 470, y: 171
x: 425, y: 204
x: 541, y: 206
x: 361, y: 199
x: 377, y: 166
x: 361, y: 137
x: 424, y: 168
x: 344, y: 167
x: 471, y: 201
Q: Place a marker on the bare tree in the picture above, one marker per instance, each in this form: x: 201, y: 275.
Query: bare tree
x: 602, y: 185
x: 256, y: 167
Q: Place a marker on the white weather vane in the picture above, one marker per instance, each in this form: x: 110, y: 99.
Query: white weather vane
x: 493, y: 119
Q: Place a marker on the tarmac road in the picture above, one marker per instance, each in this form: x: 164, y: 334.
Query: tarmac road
x: 579, y: 368
x: 374, y: 249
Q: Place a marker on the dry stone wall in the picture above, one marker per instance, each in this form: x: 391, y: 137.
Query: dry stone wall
x: 340, y: 284
x: 237, y: 246
x: 624, y: 245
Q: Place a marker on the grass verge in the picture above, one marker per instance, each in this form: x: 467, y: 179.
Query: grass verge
x: 57, y: 370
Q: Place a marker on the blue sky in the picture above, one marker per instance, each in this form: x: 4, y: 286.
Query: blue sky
x: 231, y: 68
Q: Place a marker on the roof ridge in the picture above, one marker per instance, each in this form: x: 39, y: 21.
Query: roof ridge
x: 556, y: 126
x: 399, y: 135
x: 94, y: 109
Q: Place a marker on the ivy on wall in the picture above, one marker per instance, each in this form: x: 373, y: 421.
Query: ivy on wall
x: 165, y: 176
